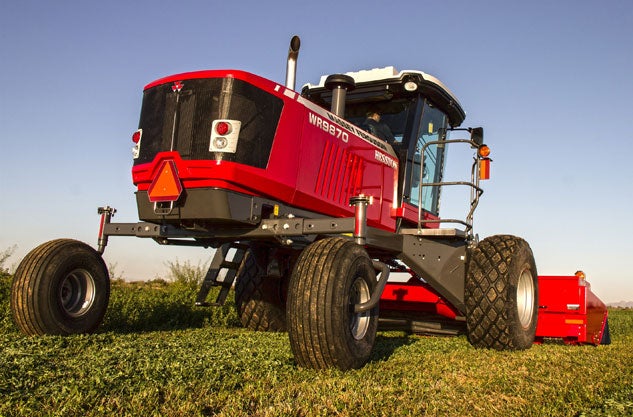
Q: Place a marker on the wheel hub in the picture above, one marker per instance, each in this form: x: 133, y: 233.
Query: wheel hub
x: 525, y: 298
x: 359, y: 321
x: 77, y: 292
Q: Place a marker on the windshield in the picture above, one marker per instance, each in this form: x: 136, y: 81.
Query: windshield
x: 393, y: 114
x: 428, y: 169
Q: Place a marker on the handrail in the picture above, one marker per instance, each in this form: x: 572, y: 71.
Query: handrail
x: 476, y: 190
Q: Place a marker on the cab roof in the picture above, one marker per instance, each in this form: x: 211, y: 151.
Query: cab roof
x: 384, y: 83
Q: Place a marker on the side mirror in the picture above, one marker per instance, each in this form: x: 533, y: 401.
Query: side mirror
x: 477, y: 135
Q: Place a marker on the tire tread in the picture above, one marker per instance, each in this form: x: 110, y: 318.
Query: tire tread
x: 488, y: 292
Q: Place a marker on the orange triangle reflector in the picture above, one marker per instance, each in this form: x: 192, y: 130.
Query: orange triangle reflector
x: 166, y: 185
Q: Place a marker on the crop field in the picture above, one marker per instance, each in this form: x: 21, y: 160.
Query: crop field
x: 157, y: 355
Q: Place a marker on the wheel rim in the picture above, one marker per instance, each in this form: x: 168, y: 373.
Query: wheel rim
x: 77, y: 292
x: 360, y: 321
x: 525, y: 298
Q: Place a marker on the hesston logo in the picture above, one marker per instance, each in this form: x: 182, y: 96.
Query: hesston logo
x: 385, y: 159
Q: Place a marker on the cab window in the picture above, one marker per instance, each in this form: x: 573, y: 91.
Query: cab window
x: 393, y: 113
x: 428, y: 168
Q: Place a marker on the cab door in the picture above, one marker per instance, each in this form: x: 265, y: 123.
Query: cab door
x: 425, y: 163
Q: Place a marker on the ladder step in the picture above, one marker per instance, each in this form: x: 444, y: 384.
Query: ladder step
x: 219, y: 263
x: 230, y: 264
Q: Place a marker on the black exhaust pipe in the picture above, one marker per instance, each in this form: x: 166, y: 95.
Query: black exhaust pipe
x: 340, y: 84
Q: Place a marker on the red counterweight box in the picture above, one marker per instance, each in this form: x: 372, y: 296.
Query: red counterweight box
x: 568, y: 309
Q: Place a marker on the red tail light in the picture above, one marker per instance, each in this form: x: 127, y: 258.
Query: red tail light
x: 136, y: 136
x: 223, y: 128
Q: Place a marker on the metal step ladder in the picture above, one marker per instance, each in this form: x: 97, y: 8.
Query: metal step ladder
x: 222, y: 272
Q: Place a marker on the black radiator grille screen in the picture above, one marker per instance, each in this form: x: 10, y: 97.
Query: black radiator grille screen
x: 185, y: 119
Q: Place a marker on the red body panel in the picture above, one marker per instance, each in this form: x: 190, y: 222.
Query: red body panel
x: 415, y: 296
x: 315, y: 165
x: 568, y: 309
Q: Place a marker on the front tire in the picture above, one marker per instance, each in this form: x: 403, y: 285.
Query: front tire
x: 331, y: 276
x: 61, y: 287
x: 501, y: 294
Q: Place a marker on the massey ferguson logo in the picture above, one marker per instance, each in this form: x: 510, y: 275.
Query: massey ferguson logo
x: 177, y: 86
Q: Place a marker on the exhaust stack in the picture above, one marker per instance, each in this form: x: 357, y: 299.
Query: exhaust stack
x: 340, y: 84
x: 291, y: 66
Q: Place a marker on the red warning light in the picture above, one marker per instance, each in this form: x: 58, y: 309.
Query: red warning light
x: 223, y: 128
x: 166, y: 185
x: 136, y: 137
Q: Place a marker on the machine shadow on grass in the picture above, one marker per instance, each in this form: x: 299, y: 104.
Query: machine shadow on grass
x: 167, y: 317
x: 150, y: 307
x: 160, y: 306
x: 386, y: 345
x: 170, y: 316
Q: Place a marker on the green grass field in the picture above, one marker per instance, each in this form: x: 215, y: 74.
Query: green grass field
x: 156, y: 355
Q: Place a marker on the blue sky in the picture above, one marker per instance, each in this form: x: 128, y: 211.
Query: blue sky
x: 551, y: 82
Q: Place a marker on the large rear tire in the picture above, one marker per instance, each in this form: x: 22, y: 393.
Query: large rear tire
x: 330, y: 277
x: 61, y: 287
x: 258, y: 298
x: 501, y: 294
